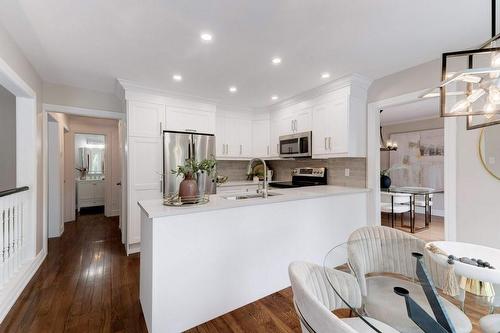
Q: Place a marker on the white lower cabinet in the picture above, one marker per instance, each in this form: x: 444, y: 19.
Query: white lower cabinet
x: 89, y: 193
x: 144, y: 171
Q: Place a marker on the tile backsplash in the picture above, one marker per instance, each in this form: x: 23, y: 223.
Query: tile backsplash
x: 236, y: 170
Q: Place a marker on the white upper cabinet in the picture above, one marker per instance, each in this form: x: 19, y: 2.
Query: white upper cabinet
x: 190, y: 120
x: 260, y: 138
x: 330, y: 127
x: 339, y: 122
x: 293, y: 120
x: 303, y: 119
x: 145, y: 119
x: 233, y: 135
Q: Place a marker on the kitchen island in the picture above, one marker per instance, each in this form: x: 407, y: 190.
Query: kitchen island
x: 199, y: 262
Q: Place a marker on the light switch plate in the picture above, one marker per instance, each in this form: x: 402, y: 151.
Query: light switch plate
x: 347, y: 172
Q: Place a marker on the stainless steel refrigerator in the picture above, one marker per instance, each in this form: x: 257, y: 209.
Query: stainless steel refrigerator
x: 180, y: 146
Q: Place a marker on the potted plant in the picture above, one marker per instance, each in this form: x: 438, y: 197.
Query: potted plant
x: 188, y: 188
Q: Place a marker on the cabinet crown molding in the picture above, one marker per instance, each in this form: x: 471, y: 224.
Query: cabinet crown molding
x: 356, y: 81
x: 127, y: 89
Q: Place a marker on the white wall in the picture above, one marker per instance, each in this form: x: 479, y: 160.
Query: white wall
x: 78, y: 97
x: 478, y: 193
x: 54, y: 221
x: 112, y: 191
x: 15, y: 59
x: 477, y: 210
x: 7, y: 139
x: 57, y: 126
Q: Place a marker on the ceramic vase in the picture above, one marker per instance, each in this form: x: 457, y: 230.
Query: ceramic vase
x: 188, y: 188
x: 385, y: 181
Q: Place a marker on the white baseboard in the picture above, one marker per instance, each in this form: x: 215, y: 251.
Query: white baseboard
x: 114, y: 213
x: 133, y: 248
x: 15, y: 287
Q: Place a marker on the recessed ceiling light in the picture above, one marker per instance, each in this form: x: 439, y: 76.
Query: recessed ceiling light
x: 233, y: 89
x: 207, y: 37
x: 325, y: 75
x: 276, y: 60
x: 177, y: 77
x: 274, y: 97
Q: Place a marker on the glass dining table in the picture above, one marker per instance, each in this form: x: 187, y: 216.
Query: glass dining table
x: 396, y: 283
x: 415, y: 192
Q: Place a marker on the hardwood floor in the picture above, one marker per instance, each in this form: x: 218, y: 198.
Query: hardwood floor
x: 88, y: 284
x: 435, y: 231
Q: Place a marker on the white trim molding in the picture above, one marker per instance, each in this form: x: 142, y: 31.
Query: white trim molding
x: 373, y: 148
x: 356, y: 80
x: 85, y: 112
x: 13, y: 290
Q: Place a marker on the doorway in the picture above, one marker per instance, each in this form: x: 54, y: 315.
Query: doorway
x: 409, y: 115
x: 412, y: 160
x: 89, y: 167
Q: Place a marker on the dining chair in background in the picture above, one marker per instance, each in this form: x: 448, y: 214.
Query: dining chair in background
x: 395, y: 203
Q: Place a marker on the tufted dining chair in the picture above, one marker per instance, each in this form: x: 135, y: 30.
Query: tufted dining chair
x: 395, y: 203
x: 381, y: 259
x: 315, y: 299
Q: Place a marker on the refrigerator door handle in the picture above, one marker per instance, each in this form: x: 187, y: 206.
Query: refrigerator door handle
x: 190, y: 145
x: 193, y: 145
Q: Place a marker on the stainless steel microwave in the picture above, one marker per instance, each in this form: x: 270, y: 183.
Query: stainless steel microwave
x: 296, y: 145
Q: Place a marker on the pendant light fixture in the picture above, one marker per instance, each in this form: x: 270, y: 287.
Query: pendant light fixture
x: 386, y: 145
x: 470, y: 84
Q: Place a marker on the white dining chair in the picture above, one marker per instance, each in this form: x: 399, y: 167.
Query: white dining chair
x: 491, y: 322
x: 381, y: 259
x: 420, y: 199
x: 395, y: 203
x: 315, y: 299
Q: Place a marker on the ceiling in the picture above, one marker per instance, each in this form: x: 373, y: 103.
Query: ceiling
x: 90, y: 43
x: 422, y: 109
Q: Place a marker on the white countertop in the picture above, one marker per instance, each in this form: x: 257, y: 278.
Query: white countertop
x: 156, y: 209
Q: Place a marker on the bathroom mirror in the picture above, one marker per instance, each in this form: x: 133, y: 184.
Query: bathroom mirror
x: 89, y: 154
x: 489, y: 150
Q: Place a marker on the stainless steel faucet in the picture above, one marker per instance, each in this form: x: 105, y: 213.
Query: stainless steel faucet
x: 249, y: 170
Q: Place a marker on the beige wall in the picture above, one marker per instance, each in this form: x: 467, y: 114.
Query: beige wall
x: 416, y: 78
x: 109, y: 128
x: 78, y: 97
x: 7, y: 140
x: 12, y: 55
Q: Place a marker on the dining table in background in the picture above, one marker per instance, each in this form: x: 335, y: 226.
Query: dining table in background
x: 414, y: 192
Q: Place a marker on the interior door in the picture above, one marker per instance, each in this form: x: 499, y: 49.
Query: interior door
x: 177, y: 148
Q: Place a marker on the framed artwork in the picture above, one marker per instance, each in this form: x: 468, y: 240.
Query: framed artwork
x: 419, y: 160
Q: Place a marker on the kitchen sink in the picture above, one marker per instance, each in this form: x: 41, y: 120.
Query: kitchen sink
x: 249, y: 196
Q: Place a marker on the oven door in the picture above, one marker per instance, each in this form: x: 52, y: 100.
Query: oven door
x: 296, y: 145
